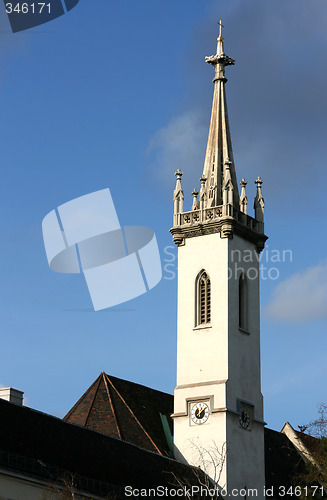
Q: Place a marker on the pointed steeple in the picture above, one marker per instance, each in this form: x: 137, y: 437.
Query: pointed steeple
x: 218, y: 208
x: 219, y: 147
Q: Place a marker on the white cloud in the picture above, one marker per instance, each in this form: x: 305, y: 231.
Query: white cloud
x: 301, y: 297
x: 180, y: 144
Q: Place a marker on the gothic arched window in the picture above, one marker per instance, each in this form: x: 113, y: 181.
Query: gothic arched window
x: 203, y: 299
x: 242, y: 303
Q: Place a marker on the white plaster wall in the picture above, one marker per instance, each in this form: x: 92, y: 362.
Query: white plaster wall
x: 221, y: 363
x: 214, y: 392
x: 15, y: 488
x: 244, y: 461
x: 18, y: 487
x: 192, y: 447
x: 244, y: 375
x: 222, y: 351
x: 202, y: 353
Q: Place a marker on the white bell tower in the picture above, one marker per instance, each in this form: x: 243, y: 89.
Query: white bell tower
x: 218, y: 407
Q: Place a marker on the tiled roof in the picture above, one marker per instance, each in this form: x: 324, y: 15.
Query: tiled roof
x: 41, y: 446
x: 310, y: 442
x: 282, y: 461
x: 125, y: 410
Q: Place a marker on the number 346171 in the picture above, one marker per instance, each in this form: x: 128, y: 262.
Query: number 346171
x: 25, y: 8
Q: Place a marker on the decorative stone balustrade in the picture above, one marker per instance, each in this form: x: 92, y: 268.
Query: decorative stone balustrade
x: 213, y: 214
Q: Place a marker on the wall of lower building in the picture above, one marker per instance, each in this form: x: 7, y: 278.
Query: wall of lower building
x: 15, y: 486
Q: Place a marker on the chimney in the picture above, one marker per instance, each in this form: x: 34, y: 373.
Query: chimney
x: 12, y: 395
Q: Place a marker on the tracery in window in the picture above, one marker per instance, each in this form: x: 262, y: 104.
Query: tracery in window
x: 203, y: 299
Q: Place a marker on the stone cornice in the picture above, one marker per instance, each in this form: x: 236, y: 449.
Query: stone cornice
x: 226, y: 226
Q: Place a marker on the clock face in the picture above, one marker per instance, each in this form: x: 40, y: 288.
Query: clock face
x: 244, y: 418
x: 200, y: 413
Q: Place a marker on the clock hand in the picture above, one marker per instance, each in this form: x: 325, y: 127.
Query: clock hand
x: 198, y: 412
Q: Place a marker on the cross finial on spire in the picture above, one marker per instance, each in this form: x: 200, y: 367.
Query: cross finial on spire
x: 220, y: 60
x: 220, y: 26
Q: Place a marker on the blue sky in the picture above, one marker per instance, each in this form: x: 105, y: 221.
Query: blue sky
x: 117, y: 94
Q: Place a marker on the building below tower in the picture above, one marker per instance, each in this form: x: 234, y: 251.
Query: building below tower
x: 44, y: 457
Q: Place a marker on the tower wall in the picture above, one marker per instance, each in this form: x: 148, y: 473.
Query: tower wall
x: 219, y: 363
x: 197, y: 346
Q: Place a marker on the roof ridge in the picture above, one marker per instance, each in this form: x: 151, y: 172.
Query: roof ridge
x: 104, y: 375
x: 140, y: 385
x: 93, y: 399
x: 133, y: 415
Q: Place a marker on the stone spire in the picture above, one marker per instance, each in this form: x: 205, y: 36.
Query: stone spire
x: 195, y: 199
x: 259, y: 203
x: 203, y: 194
x: 219, y: 147
x: 243, y: 198
x: 178, y: 196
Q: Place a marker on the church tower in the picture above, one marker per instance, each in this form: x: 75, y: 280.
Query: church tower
x: 218, y: 406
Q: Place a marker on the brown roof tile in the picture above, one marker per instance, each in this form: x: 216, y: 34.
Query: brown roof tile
x: 124, y: 410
